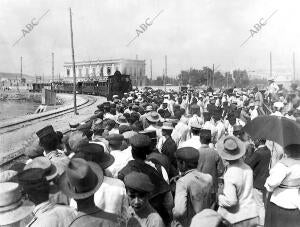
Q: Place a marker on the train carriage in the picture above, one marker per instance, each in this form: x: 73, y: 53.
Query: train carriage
x: 117, y: 84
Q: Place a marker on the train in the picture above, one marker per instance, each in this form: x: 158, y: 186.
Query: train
x: 118, y: 84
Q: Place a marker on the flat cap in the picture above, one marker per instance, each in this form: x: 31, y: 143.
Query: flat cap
x: 139, y: 182
x: 115, y: 139
x: 48, y: 130
x: 188, y: 154
x: 140, y: 141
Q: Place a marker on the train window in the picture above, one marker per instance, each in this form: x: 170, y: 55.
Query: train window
x: 108, y: 71
x: 68, y: 72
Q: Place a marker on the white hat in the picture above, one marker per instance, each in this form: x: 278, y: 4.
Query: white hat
x: 278, y: 104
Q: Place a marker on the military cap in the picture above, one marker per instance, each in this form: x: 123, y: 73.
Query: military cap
x: 188, y: 154
x: 46, y: 131
x: 139, y: 182
x: 140, y: 141
x: 115, y: 139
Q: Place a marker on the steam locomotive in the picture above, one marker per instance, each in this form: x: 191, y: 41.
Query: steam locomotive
x: 117, y: 84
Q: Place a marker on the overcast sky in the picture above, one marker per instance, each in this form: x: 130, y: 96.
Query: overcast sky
x: 192, y: 33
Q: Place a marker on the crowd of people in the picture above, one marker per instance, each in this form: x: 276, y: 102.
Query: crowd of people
x: 155, y: 158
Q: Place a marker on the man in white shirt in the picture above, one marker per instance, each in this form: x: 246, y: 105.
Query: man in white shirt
x: 121, y: 157
x: 194, y: 141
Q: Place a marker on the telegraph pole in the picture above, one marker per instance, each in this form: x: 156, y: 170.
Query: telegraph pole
x: 294, y: 69
x: 166, y: 71
x: 151, y: 71
x: 52, y: 66
x: 270, y: 65
x: 213, y: 72
x: 73, y: 61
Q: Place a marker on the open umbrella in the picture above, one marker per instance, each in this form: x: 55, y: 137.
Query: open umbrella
x: 278, y: 129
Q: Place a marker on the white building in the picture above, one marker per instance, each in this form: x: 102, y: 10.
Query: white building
x: 103, y: 68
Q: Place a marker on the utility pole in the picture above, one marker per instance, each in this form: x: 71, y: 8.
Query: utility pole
x: 294, y: 69
x: 270, y: 65
x: 150, y: 71
x: 73, y: 61
x: 52, y: 66
x: 213, y: 73
x: 166, y: 71
x: 227, y: 79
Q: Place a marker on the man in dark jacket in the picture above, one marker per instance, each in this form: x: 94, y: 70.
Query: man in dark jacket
x: 259, y: 161
x: 160, y: 198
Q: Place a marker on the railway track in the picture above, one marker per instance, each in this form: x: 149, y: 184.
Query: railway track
x: 18, y: 155
x: 4, y: 128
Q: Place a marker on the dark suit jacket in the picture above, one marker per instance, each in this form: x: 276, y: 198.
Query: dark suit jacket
x: 259, y: 162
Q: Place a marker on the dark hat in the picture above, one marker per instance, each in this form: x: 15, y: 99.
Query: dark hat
x: 150, y: 133
x: 124, y: 128
x: 34, y: 179
x: 48, y: 130
x: 115, y: 139
x: 205, y: 132
x: 81, y: 179
x: 46, y: 165
x: 93, y: 152
x: 73, y: 125
x: 140, y: 141
x: 188, y: 154
x: 139, y: 182
x: 231, y: 148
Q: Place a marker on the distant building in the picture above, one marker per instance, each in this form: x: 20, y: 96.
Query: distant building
x: 103, y: 68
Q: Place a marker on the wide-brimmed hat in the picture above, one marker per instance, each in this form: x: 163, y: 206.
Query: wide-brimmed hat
x: 81, y: 179
x: 45, y: 164
x: 12, y: 207
x: 93, y: 152
x: 231, y: 148
x: 153, y: 116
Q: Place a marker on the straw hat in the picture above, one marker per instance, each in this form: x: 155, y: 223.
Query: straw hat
x: 231, y: 148
x: 153, y: 116
x: 12, y: 207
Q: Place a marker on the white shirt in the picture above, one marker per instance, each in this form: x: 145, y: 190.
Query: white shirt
x: 121, y: 160
x: 288, y: 198
x: 192, y: 142
x: 110, y: 197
